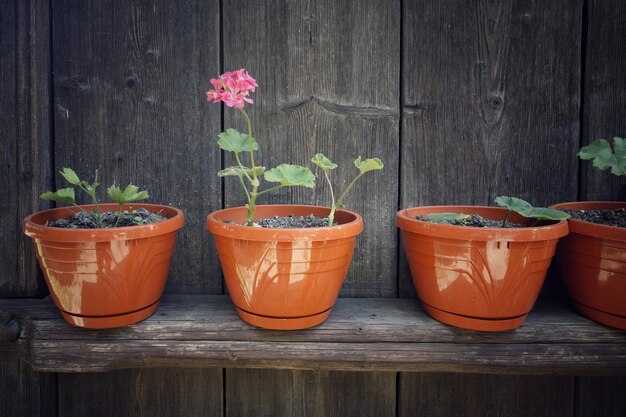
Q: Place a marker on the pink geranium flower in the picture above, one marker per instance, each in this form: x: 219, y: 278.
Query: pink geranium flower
x: 233, y: 88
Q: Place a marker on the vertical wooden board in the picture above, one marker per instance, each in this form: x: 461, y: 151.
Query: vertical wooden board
x: 468, y: 395
x: 26, y: 393
x: 25, y: 138
x: 601, y: 396
x: 328, y: 75
x: 604, y: 93
x: 130, y: 82
x: 153, y: 392
x: 491, y: 93
x: 261, y: 392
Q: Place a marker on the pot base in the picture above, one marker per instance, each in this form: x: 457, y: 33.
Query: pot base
x: 109, y: 322
x: 602, y: 317
x: 472, y: 323
x: 283, y: 323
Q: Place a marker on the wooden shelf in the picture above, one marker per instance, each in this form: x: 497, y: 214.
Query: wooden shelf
x: 361, y: 334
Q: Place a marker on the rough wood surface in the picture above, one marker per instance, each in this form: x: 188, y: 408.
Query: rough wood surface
x: 490, y: 103
x: 170, y: 392
x: 442, y: 395
x: 361, y: 334
x: 328, y: 76
x: 604, y: 93
x: 601, y: 396
x: 24, y: 392
x: 25, y: 138
x: 130, y: 100
x: 320, y: 393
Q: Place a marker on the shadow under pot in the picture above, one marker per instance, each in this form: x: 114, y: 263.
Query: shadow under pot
x: 109, y: 277
x: 478, y: 278
x: 592, y: 263
x: 284, y: 279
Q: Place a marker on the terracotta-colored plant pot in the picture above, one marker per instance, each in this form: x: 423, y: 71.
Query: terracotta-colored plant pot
x: 476, y: 278
x: 104, y: 278
x: 592, y: 262
x: 284, y: 279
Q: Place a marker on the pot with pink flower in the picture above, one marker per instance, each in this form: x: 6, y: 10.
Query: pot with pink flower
x: 283, y: 264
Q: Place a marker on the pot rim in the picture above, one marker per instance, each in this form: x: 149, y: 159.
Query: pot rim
x: 593, y: 229
x: 406, y: 222
x: 34, y: 224
x: 216, y: 224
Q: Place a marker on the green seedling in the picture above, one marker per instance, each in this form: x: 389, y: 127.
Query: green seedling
x: 327, y: 165
x: 604, y: 157
x: 525, y: 209
x: 67, y: 196
x: 448, y: 217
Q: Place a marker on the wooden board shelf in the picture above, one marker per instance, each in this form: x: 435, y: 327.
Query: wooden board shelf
x: 361, y: 334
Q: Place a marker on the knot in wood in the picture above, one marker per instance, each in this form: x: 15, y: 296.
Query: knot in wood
x: 495, y: 102
x: 10, y: 330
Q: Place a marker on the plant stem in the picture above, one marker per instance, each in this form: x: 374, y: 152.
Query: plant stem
x: 270, y: 190
x: 341, y: 197
x: 119, y: 214
x: 251, y: 201
x: 506, y: 216
x: 245, y: 189
x: 242, y: 167
x: 331, y: 215
x: 245, y: 115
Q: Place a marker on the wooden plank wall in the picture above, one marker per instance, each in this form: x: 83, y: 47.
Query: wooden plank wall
x: 462, y: 100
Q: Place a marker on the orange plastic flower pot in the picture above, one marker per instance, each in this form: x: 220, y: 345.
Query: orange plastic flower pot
x: 284, y: 279
x: 592, y: 262
x: 104, y: 278
x: 477, y: 278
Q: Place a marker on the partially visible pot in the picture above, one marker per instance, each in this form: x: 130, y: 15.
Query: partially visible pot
x: 592, y: 262
x: 284, y: 279
x: 477, y: 278
x: 104, y: 278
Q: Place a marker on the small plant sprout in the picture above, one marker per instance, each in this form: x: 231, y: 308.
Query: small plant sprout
x: 67, y: 196
x: 234, y: 88
x: 604, y: 157
x: 326, y: 165
x: 525, y: 209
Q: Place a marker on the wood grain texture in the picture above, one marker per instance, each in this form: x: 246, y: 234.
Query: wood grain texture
x: 25, y: 137
x: 601, y: 396
x: 361, y: 334
x: 320, y: 393
x: 328, y: 75
x: 24, y: 392
x: 604, y: 93
x: 129, y: 85
x: 491, y: 93
x: 160, y: 392
x: 442, y: 395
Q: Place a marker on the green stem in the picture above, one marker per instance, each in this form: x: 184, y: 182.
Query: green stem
x: 331, y: 215
x: 242, y: 167
x: 245, y: 115
x: 251, y: 202
x: 245, y: 189
x: 505, y: 217
x: 119, y: 214
x: 341, y: 197
x: 269, y: 190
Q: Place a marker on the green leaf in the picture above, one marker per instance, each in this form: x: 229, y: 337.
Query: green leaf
x: 289, y: 175
x: 236, y: 171
x: 369, y: 164
x: 541, y: 213
x: 130, y: 194
x: 70, y: 176
x: 324, y: 163
x: 64, y: 195
x: 448, y: 217
x: 604, y: 157
x: 515, y: 204
x: 234, y: 141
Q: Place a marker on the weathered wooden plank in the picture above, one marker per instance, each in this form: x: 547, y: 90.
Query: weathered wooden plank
x: 129, y: 99
x: 25, y: 121
x: 604, y: 93
x: 328, y: 82
x: 361, y: 334
x: 24, y: 392
x: 253, y: 392
x: 601, y: 396
x: 440, y: 395
x: 142, y: 392
x: 491, y: 94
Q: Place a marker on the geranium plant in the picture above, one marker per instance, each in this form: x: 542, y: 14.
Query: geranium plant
x: 604, y: 157
x: 233, y: 88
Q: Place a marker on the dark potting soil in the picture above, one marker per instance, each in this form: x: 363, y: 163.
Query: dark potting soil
x: 615, y: 217
x: 474, y: 221
x: 293, y: 222
x: 82, y: 220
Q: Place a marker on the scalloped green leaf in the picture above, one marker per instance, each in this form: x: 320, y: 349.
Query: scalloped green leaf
x: 369, y: 164
x: 323, y: 162
x: 64, y: 195
x: 70, y: 176
x: 130, y: 194
x: 448, y: 217
x: 234, y: 141
x: 291, y: 175
x: 605, y: 157
x: 541, y: 213
x: 235, y: 171
x: 515, y: 204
